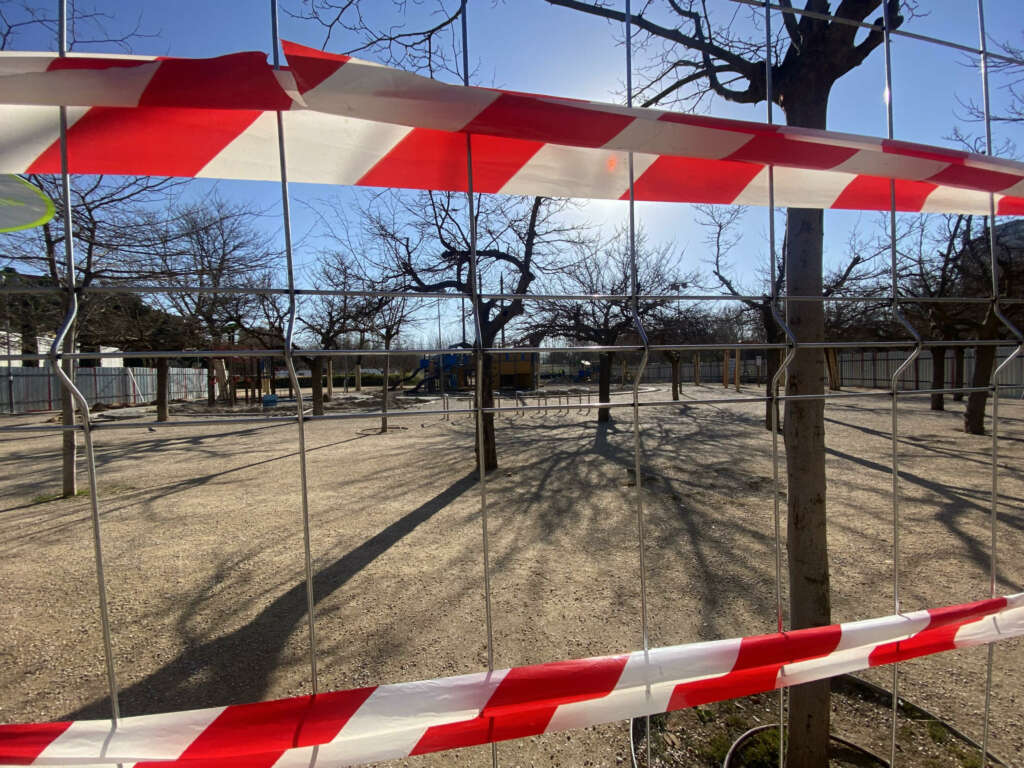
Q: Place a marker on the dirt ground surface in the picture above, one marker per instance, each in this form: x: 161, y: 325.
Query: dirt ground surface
x: 203, y: 547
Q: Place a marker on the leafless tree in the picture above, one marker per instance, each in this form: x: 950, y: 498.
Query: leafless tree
x: 111, y: 201
x: 976, y: 266
x: 930, y: 249
x: 605, y: 269
x: 111, y: 230
x: 392, y: 316
x: 722, y: 234
x: 86, y: 25
x: 1006, y: 74
x: 697, y: 57
x: 680, y: 323
x: 949, y: 257
x: 425, y: 241
x: 331, y: 319
x: 210, y: 252
x: 425, y: 43
x: 858, y: 272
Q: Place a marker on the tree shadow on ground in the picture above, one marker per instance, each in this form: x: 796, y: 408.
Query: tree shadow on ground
x: 237, y: 666
x: 20, y: 524
x: 952, y: 514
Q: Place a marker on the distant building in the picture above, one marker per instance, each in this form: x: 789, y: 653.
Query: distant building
x: 11, y: 344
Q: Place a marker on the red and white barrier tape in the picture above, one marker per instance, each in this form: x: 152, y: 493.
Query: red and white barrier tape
x: 356, y: 123
x: 394, y: 721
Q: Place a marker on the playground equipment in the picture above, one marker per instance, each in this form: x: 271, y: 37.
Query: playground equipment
x: 451, y: 367
x: 509, y: 370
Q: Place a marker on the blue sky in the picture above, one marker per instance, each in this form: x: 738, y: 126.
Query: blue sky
x: 529, y: 45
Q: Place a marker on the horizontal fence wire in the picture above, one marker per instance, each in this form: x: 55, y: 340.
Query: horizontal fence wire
x: 251, y: 352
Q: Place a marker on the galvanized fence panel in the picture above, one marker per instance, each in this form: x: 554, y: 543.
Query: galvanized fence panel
x: 873, y: 368
x: 38, y: 389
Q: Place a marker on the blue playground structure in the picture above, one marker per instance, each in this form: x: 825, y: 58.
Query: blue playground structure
x: 451, y: 367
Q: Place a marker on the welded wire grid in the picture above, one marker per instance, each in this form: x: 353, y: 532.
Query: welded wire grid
x: 61, y: 359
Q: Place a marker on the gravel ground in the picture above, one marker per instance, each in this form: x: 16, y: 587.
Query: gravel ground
x: 204, y: 556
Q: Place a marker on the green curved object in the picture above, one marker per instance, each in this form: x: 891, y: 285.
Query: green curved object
x: 22, y: 205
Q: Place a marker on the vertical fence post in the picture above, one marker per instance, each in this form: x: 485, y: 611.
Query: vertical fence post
x: 894, y: 380
x: 474, y: 271
x: 994, y: 269
x: 780, y: 372
x: 639, y: 327
x: 292, y: 376
x: 64, y: 334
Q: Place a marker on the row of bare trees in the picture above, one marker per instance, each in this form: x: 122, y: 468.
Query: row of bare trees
x: 211, y: 268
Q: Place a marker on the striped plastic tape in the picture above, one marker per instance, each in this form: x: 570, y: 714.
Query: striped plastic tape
x: 393, y: 721
x: 353, y: 122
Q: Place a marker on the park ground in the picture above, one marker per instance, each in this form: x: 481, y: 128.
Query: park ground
x: 203, y: 549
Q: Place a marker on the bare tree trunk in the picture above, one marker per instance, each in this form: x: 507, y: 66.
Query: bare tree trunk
x: 490, y: 443
x: 958, y: 373
x: 316, y: 365
x: 69, y: 457
x: 809, y: 594
x: 220, y: 370
x: 675, y: 362
x: 604, y: 384
x: 29, y: 339
x: 772, y: 360
x: 696, y: 369
x: 359, y: 363
x: 163, y: 369
x: 974, y: 414
x: 725, y: 368
x: 835, y: 383
x: 984, y: 360
x: 938, y: 378
x: 330, y: 379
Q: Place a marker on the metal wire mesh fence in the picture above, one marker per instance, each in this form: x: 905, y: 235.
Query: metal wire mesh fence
x: 37, y: 389
x: 903, y: 368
